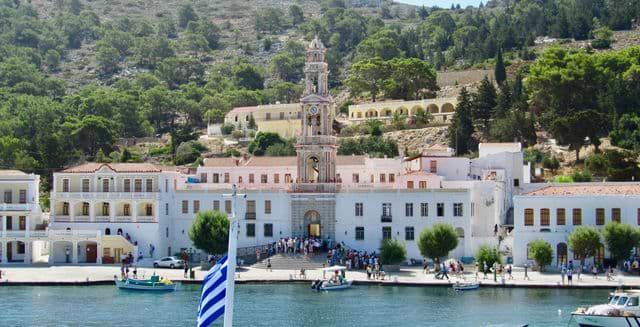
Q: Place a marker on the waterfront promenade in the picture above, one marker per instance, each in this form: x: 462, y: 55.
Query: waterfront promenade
x: 410, y: 276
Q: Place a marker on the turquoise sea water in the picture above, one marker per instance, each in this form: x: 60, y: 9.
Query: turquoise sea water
x: 294, y: 305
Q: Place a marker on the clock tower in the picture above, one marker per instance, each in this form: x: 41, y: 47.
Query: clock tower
x: 316, y: 147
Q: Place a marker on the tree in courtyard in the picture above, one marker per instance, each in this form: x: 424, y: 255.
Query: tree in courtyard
x: 584, y: 241
x: 392, y: 252
x: 488, y: 254
x: 500, y: 71
x: 460, y: 132
x: 436, y: 242
x: 210, y: 232
x: 620, y: 239
x: 541, y: 252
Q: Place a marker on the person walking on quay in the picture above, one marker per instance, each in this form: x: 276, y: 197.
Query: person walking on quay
x: 425, y: 266
x: 186, y: 269
x: 526, y: 275
x: 563, y: 271
x: 579, y: 271
x: 444, y: 271
x: 594, y: 271
x: 510, y: 272
x: 485, y: 269
x: 570, y: 276
x: 135, y: 272
x: 269, y: 265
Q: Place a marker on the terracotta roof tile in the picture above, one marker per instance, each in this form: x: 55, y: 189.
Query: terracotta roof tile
x: 270, y: 161
x: 92, y: 167
x: 629, y: 189
x: 220, y: 162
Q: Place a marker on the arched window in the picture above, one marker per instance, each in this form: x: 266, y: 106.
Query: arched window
x: 107, y: 231
x: 119, y: 231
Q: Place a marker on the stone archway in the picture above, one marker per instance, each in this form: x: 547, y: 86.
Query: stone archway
x: 313, y: 169
x: 312, y: 224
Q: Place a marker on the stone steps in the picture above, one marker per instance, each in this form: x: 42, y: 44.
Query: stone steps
x: 293, y: 262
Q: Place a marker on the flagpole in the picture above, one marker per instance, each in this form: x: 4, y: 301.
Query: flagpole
x: 231, y: 261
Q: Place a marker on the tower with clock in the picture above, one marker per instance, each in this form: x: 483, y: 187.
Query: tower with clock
x: 316, y: 147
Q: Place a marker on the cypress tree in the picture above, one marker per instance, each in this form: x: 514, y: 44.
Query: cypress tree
x: 500, y: 71
x: 460, y: 132
x: 484, y: 104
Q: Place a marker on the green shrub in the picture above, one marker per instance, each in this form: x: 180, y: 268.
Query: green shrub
x: 489, y: 255
x: 582, y: 176
x: 227, y: 129
x: 541, y: 252
x: 392, y: 252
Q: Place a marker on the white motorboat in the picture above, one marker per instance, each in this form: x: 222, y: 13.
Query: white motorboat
x: 623, y: 310
x: 337, y: 282
x: 152, y: 284
x: 466, y: 286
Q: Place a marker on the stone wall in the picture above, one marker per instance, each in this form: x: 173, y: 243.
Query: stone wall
x: 324, y: 204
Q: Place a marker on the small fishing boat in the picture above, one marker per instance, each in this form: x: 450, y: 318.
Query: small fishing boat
x: 467, y: 286
x: 155, y: 283
x: 623, y: 309
x: 337, y: 282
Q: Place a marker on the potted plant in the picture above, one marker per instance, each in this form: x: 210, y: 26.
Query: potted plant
x: 392, y: 253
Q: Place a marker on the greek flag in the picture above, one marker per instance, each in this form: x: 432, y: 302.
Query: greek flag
x: 214, y: 288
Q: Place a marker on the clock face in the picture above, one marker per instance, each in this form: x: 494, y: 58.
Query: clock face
x: 313, y: 110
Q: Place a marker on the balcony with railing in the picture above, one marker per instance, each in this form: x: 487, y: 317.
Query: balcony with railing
x: 16, y: 206
x: 74, y: 233
x: 146, y: 219
x: 317, y: 140
x: 62, y: 218
x: 102, y: 219
x: 386, y: 218
x: 107, y: 195
x: 124, y: 219
x: 81, y: 219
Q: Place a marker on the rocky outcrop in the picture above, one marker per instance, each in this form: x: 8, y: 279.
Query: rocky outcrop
x: 417, y: 140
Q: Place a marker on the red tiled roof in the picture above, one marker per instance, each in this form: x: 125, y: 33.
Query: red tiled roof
x: 629, y: 189
x: 220, y: 162
x: 92, y: 167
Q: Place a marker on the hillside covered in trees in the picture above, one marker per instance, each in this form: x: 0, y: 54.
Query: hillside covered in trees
x: 76, y: 76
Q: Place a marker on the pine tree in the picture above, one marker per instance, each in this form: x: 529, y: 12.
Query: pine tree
x: 484, y: 104
x: 500, y: 71
x: 460, y: 131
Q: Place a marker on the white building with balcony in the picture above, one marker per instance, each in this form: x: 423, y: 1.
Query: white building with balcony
x: 21, y: 216
x: 552, y: 212
x: 118, y: 200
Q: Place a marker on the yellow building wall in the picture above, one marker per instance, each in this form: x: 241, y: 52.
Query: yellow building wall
x: 285, y: 128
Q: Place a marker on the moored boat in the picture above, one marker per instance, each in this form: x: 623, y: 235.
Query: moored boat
x: 466, y: 286
x: 623, y: 309
x: 337, y: 282
x: 155, y: 283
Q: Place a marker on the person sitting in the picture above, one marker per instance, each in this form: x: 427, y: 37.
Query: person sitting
x: 303, y: 275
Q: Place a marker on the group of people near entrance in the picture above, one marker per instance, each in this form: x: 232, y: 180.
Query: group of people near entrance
x: 297, y: 245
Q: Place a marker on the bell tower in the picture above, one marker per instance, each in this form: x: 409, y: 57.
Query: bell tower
x: 316, y: 147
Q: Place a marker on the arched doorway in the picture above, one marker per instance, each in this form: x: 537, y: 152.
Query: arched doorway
x: 107, y: 231
x: 561, y: 250
x: 312, y: 222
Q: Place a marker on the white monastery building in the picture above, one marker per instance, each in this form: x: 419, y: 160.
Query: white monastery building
x: 101, y: 211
